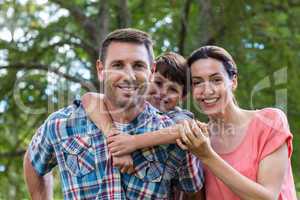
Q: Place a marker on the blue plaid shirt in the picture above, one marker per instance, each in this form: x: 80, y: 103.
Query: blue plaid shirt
x: 178, y: 114
x: 71, y: 141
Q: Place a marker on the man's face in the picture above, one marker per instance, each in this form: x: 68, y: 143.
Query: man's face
x: 126, y: 72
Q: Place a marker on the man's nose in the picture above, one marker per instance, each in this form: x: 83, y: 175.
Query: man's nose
x: 130, y: 73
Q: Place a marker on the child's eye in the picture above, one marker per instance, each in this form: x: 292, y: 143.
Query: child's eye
x: 158, y: 83
x: 173, y: 90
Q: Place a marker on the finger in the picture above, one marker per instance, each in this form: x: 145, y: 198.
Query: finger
x: 197, y: 132
x: 183, y: 133
x: 113, y: 144
x: 204, y: 128
x: 181, y: 145
x: 114, y: 150
x: 111, y: 139
x: 112, y: 133
x: 185, y: 137
x: 201, y: 130
x: 194, y: 129
x: 192, y: 134
x: 131, y: 170
x: 121, y: 152
x: 118, y: 153
x: 124, y: 168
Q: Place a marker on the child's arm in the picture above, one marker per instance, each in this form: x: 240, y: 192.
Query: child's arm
x: 123, y: 143
x: 96, y: 110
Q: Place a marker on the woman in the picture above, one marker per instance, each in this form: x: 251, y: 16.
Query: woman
x: 246, y: 153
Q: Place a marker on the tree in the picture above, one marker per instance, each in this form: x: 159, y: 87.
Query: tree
x: 48, y: 51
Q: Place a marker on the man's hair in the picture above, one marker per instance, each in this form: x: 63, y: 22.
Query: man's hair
x: 174, y: 67
x: 127, y: 35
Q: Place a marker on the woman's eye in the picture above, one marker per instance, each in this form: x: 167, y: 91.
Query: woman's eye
x: 197, y: 83
x: 217, y: 80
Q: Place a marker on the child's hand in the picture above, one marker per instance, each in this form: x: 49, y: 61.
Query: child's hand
x: 124, y: 163
x: 112, y: 132
x: 121, y: 144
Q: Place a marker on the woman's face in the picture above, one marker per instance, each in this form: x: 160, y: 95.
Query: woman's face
x: 212, y: 88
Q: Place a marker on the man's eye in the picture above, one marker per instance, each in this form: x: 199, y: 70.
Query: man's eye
x: 139, y: 66
x: 117, y: 65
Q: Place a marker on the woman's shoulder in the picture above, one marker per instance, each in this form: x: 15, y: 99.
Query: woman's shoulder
x: 272, y: 117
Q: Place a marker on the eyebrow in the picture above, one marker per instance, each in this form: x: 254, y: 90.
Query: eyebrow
x: 115, y: 61
x: 140, y: 61
x: 199, y: 77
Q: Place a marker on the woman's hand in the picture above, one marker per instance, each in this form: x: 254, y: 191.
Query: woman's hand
x: 196, y: 137
x: 121, y: 144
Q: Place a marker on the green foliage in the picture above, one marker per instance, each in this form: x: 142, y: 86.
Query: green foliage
x: 48, y: 51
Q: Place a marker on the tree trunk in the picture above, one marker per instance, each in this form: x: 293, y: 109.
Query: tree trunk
x: 184, y: 26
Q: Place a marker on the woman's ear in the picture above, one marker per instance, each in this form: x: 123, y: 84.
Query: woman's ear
x: 234, y: 82
x: 100, y: 70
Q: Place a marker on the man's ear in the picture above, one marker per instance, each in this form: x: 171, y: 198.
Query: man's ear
x: 100, y: 70
x: 234, y: 82
x: 153, y: 67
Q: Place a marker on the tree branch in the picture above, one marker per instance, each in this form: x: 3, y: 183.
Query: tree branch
x: 78, y: 14
x: 16, y: 153
x: 30, y: 66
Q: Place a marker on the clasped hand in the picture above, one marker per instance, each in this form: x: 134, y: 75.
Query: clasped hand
x: 120, y: 145
x: 195, y: 137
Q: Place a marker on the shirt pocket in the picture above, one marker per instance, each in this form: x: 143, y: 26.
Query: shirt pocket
x: 78, y: 155
x: 151, y: 164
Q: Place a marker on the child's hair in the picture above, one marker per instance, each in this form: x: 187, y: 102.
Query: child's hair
x: 174, y: 67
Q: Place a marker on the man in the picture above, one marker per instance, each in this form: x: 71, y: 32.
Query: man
x: 71, y: 141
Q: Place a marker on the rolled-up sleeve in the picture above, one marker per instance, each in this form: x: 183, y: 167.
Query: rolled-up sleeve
x: 41, y: 152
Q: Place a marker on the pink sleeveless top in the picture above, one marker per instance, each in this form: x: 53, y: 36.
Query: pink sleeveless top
x: 267, y: 131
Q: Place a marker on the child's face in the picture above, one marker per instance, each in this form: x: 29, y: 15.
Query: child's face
x: 163, y: 93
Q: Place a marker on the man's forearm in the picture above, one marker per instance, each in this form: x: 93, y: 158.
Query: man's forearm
x: 39, y: 187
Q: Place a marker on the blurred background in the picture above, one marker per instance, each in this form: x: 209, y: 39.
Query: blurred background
x: 48, y: 50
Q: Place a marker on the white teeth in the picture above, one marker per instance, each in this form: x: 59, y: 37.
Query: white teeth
x: 127, y: 88
x: 210, y: 100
